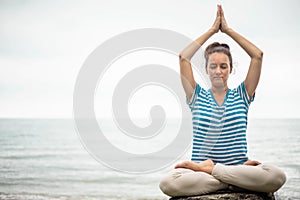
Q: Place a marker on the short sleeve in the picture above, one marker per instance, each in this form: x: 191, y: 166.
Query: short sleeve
x: 191, y: 102
x: 243, y: 93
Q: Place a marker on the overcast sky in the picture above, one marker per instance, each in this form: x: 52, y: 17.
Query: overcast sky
x: 43, y: 45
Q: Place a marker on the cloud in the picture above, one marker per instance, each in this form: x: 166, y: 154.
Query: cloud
x: 44, y: 43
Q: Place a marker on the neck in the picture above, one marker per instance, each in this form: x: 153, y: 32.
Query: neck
x: 219, y: 90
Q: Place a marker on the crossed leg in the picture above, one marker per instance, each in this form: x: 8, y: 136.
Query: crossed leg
x: 260, y: 178
x: 186, y: 182
x: 191, y: 178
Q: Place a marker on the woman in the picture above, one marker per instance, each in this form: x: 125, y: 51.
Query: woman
x: 219, y: 157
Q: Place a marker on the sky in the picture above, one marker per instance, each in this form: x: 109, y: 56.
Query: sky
x: 45, y: 43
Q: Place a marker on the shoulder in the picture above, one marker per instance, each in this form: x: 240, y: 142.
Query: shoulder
x: 201, y: 92
x: 241, y: 92
x: 238, y: 89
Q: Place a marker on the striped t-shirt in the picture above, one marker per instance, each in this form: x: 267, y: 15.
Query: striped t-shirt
x: 219, y: 132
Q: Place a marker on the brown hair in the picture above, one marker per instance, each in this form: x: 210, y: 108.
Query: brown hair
x: 220, y: 48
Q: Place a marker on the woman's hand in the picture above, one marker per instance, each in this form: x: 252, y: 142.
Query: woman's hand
x: 223, y: 26
x: 253, y: 51
x: 252, y: 162
x: 217, y: 24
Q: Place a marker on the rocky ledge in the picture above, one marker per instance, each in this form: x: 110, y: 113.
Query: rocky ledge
x: 230, y: 195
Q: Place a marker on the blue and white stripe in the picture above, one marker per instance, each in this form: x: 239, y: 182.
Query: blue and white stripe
x: 219, y: 132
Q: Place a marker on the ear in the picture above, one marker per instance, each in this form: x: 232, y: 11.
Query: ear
x: 230, y: 70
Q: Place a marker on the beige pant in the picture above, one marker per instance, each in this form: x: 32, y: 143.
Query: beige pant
x: 186, y: 182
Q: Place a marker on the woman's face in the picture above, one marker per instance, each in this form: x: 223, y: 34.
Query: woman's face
x: 218, y: 69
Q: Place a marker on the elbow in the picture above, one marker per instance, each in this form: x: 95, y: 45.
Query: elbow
x: 259, y: 55
x: 183, y: 58
x: 180, y: 56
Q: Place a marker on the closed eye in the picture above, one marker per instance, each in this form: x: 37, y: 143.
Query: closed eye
x: 212, y: 66
x: 224, y: 65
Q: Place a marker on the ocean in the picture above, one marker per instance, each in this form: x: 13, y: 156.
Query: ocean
x: 45, y: 159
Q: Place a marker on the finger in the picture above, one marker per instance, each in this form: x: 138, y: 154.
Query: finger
x: 219, y: 10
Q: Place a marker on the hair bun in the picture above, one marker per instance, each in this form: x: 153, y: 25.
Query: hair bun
x: 225, y: 46
x: 217, y: 44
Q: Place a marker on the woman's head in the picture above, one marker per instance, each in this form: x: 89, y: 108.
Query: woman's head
x: 219, y: 48
x: 218, y: 63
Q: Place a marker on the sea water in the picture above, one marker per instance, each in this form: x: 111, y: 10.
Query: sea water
x: 45, y: 159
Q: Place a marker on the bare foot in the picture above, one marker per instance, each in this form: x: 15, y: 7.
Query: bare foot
x: 205, y: 166
x: 188, y: 165
x: 252, y: 162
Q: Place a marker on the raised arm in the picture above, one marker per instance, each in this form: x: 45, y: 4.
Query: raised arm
x: 186, y: 72
x: 255, y: 54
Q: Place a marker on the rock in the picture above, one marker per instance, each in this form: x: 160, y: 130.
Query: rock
x: 230, y: 195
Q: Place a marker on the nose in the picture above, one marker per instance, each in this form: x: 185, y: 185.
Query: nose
x: 218, y: 70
